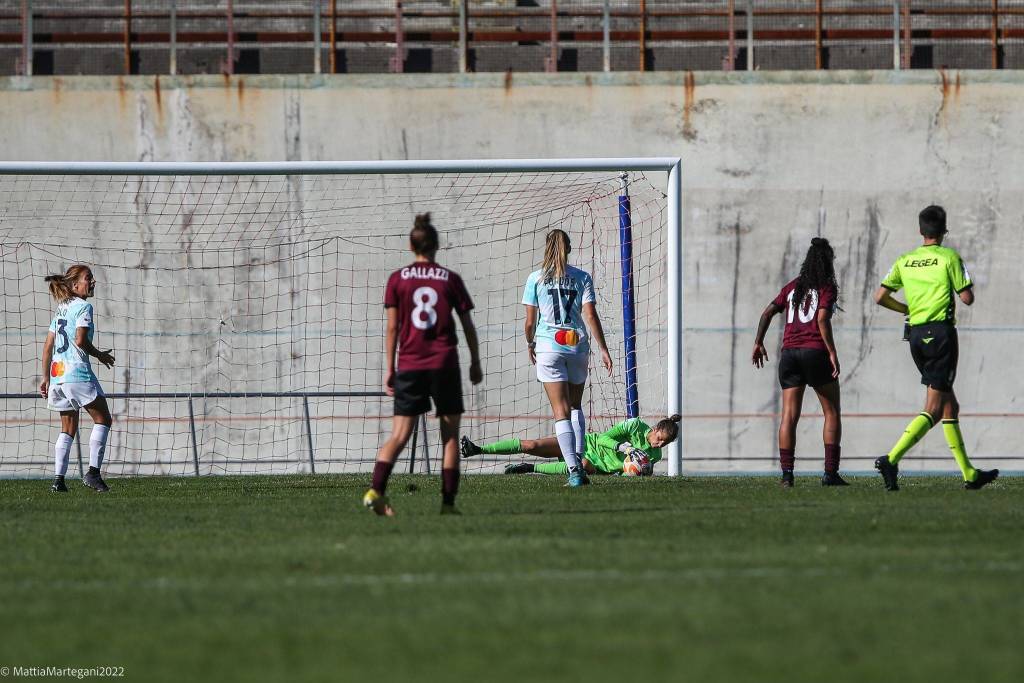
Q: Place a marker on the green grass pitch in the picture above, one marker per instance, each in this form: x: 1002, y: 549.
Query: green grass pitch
x: 698, y: 579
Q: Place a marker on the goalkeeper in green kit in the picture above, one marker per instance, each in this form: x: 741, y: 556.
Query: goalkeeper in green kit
x: 604, y: 453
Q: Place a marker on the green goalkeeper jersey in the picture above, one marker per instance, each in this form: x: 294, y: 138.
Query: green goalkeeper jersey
x: 932, y: 276
x: 602, y: 449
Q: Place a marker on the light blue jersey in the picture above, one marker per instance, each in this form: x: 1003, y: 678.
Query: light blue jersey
x: 70, y: 363
x: 560, y: 301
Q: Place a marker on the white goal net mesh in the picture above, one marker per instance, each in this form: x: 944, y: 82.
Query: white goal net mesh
x: 246, y: 317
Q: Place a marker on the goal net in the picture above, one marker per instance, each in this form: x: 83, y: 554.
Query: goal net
x: 245, y: 311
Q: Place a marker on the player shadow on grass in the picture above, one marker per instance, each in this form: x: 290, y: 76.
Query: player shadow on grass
x: 550, y: 511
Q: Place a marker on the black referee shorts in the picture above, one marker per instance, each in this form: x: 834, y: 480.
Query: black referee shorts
x: 936, y: 351
x: 414, y: 390
x: 803, y: 367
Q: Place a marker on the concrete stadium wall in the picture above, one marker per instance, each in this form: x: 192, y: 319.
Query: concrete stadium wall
x: 770, y: 160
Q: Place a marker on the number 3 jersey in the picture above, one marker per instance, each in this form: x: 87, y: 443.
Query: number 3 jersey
x: 70, y: 363
x: 802, y: 323
x: 560, y: 325
x: 428, y: 297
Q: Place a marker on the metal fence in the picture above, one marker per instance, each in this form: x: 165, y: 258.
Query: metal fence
x: 374, y: 36
x: 423, y: 449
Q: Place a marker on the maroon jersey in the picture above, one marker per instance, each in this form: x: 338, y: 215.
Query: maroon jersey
x: 802, y: 323
x: 426, y: 295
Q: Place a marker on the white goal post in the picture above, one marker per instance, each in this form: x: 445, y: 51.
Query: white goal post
x: 17, y: 224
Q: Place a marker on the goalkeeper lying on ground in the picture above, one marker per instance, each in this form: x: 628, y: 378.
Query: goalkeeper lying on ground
x: 604, y: 453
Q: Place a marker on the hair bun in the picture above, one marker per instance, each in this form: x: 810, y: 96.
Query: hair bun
x: 676, y: 418
x: 422, y: 220
x: 819, y: 242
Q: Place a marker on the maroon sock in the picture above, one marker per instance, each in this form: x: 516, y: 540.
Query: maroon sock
x: 449, y: 486
x: 832, y: 458
x: 381, y: 472
x: 786, y: 459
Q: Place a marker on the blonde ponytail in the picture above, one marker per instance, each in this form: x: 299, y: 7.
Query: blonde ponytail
x: 556, y: 254
x: 60, y: 285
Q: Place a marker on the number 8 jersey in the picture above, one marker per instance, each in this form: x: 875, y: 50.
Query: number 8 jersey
x: 560, y: 327
x: 426, y: 295
x: 70, y: 363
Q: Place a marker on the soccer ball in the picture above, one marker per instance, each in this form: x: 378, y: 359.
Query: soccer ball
x: 637, y: 464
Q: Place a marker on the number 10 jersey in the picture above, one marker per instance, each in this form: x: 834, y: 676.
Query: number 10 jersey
x: 560, y: 327
x: 801, y: 331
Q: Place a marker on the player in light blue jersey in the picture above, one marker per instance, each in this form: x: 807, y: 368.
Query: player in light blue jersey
x: 69, y: 384
x: 560, y: 306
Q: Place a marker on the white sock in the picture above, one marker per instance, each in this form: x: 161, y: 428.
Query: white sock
x: 61, y: 454
x: 567, y: 443
x: 579, y: 429
x: 97, y: 445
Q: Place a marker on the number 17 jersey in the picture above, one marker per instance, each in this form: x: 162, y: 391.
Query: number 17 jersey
x: 426, y: 295
x: 560, y: 301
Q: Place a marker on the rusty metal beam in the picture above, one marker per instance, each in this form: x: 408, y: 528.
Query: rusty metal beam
x: 552, y: 61
x: 897, y: 63
x: 318, y: 37
x: 996, y: 56
x: 730, y: 56
x: 643, y: 35
x: 398, y: 59
x: 908, y: 46
x: 172, y: 39
x: 463, y: 36
x: 606, y: 38
x: 333, y: 59
x: 451, y: 36
x: 880, y: 10
x: 25, y: 38
x: 818, y: 55
x: 127, y: 37
x: 229, y: 65
x: 991, y: 31
x: 749, y: 34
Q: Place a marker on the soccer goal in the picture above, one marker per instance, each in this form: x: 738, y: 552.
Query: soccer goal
x: 243, y: 301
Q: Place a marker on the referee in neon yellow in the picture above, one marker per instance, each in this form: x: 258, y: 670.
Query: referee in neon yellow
x: 933, y: 277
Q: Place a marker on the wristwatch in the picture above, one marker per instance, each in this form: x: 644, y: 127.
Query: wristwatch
x: 532, y: 345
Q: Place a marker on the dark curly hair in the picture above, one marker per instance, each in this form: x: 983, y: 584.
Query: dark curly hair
x: 816, y: 272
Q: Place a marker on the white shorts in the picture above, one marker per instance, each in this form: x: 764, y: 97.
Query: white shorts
x: 72, y: 395
x: 562, y: 367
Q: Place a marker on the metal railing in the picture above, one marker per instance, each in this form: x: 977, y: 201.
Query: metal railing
x: 307, y: 422
x: 334, y: 36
